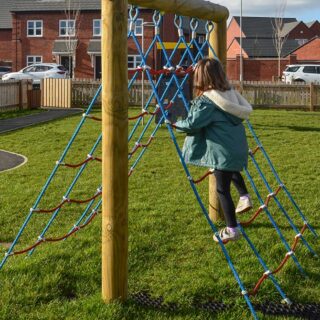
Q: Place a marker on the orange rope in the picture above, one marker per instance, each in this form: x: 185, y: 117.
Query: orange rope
x: 281, y: 265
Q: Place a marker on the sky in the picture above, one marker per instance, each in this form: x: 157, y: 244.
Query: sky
x: 305, y: 10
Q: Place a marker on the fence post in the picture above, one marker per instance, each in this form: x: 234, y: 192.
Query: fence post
x: 312, y: 97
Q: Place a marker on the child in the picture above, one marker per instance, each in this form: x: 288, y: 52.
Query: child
x: 216, y: 138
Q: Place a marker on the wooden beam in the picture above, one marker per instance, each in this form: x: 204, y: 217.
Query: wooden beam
x: 114, y: 150
x: 192, y: 8
x: 218, y: 41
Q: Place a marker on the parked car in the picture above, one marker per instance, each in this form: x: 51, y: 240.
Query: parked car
x: 4, y: 70
x: 38, y: 71
x: 301, y: 73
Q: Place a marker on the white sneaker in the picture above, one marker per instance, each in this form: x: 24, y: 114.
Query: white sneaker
x: 244, y: 205
x: 226, y: 236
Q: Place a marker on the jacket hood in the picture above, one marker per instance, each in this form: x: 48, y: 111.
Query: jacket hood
x: 230, y: 101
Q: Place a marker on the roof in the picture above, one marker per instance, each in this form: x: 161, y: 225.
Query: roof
x: 259, y: 27
x: 311, y: 23
x: 94, y: 46
x: 264, y: 48
x: 304, y: 44
x: 5, y: 16
x: 54, y: 5
x: 64, y: 46
x: 288, y: 27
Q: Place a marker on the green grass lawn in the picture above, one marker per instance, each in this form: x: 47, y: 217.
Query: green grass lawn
x: 171, y: 251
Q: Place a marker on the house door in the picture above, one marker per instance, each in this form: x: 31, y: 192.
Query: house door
x: 97, y: 72
x: 66, y: 61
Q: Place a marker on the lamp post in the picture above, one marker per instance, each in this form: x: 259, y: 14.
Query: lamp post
x: 241, y: 52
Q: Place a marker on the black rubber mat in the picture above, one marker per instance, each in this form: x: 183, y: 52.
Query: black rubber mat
x: 309, y: 311
x: 33, y: 119
x: 10, y: 160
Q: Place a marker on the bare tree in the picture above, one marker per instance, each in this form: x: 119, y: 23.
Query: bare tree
x: 278, y: 37
x: 72, y: 13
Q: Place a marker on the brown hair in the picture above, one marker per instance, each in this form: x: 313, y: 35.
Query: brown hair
x: 209, y: 75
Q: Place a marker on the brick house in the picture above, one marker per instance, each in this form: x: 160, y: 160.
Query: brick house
x: 309, y: 52
x: 314, y: 26
x: 41, y: 31
x: 44, y: 32
x: 5, y: 34
x: 260, y: 58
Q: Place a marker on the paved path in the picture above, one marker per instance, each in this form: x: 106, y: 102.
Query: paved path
x: 9, y: 160
x: 33, y: 119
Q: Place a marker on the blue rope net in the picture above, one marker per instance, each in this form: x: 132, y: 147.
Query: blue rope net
x: 168, y: 85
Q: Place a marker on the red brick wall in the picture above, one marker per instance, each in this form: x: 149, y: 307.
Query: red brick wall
x: 301, y: 31
x: 234, y: 50
x: 257, y: 69
x: 315, y: 29
x: 5, y: 45
x: 310, y: 51
x: 233, y: 31
x: 43, y: 46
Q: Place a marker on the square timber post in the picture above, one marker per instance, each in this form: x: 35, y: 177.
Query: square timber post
x: 114, y: 150
x: 218, y: 41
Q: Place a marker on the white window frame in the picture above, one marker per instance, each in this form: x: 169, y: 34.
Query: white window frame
x: 138, y: 34
x: 68, y: 28
x: 34, y: 60
x: 34, y: 28
x: 95, y: 28
x: 136, y: 62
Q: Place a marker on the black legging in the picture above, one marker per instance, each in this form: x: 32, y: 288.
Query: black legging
x: 224, y: 179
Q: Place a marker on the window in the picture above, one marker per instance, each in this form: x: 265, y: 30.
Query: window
x: 33, y: 59
x: 309, y: 69
x: 34, y: 28
x: 67, y: 28
x: 292, y: 69
x: 133, y: 61
x: 29, y: 69
x: 201, y: 38
x: 97, y: 28
x: 138, y: 30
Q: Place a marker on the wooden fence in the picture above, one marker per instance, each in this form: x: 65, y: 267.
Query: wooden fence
x: 9, y: 94
x: 79, y: 93
x: 62, y: 93
x: 280, y: 95
x: 14, y: 94
x: 135, y: 93
x: 83, y: 92
x: 56, y: 93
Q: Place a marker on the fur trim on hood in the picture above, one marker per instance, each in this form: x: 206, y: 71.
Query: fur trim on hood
x: 230, y: 101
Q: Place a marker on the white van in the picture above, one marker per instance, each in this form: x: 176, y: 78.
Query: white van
x: 301, y: 73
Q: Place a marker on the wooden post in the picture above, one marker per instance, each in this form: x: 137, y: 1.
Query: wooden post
x: 114, y: 150
x: 312, y: 97
x: 218, y: 41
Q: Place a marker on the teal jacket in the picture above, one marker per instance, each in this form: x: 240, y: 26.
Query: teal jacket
x: 215, y: 138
